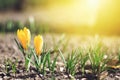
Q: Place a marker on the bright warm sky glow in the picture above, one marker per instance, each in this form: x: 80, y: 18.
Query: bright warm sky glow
x: 97, y: 15
x: 78, y: 12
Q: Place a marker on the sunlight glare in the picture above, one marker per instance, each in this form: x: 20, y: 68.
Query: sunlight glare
x: 93, y: 3
x: 78, y: 12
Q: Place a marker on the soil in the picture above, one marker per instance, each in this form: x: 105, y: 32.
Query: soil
x: 10, y: 52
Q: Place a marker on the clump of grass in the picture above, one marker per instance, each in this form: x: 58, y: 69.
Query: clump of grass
x: 96, y: 58
x: 83, y: 58
x: 71, y: 63
x: 10, y: 66
x: 44, y: 61
x: 75, y: 60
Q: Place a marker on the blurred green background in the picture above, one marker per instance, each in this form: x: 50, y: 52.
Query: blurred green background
x: 17, y: 7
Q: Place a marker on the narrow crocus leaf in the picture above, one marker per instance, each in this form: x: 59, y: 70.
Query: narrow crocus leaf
x: 20, y: 47
x: 62, y: 56
x: 35, y: 57
x: 54, y: 63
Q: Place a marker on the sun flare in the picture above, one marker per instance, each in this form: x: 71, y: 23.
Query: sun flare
x: 78, y: 12
x: 93, y: 3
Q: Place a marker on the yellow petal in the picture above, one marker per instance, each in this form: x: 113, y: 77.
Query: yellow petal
x: 24, y: 37
x: 27, y: 34
x: 38, y: 44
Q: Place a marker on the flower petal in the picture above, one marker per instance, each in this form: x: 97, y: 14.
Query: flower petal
x: 38, y: 44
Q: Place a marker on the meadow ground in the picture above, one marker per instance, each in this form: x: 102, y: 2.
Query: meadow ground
x: 66, y: 43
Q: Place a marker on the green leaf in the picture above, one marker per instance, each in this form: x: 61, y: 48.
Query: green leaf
x: 35, y: 56
x: 19, y: 46
x: 62, y: 56
x: 27, y: 63
x: 48, y: 58
x: 54, y: 63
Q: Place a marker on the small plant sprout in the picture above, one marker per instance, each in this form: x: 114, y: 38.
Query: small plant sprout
x: 83, y: 58
x: 10, y: 66
x: 7, y: 63
x: 38, y: 44
x: 97, y: 61
x: 52, y: 64
x: 71, y: 63
x: 24, y: 38
x: 42, y: 59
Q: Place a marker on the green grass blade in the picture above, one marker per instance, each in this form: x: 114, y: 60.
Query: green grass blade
x: 62, y: 56
x: 54, y: 63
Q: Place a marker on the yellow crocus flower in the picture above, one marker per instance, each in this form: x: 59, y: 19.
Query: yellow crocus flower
x: 38, y: 44
x: 24, y: 37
